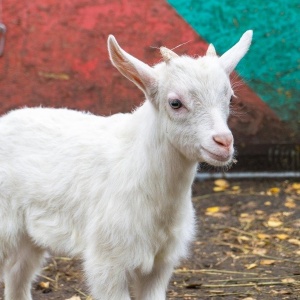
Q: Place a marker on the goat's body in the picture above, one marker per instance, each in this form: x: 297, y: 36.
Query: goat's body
x: 130, y: 217
x: 115, y: 191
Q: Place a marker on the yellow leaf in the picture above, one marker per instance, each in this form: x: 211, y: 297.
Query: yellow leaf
x: 267, y: 262
x: 294, y: 242
x: 222, y: 183
x: 235, y: 188
x: 218, y: 189
x: 213, y: 209
x: 288, y: 280
x: 274, y: 223
x: 290, y: 204
x: 259, y: 251
x: 282, y: 236
x: 274, y: 191
x: 251, y: 266
x: 44, y: 285
x: 263, y: 236
x: 297, y: 252
x: 259, y: 212
x: 74, y: 298
x: 296, y: 185
x: 268, y: 203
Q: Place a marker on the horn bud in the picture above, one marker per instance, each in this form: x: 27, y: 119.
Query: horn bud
x: 167, y: 54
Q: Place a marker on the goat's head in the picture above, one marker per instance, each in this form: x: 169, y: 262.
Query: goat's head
x: 191, y: 95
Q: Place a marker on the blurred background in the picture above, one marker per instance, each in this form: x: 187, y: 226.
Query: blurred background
x: 55, y: 55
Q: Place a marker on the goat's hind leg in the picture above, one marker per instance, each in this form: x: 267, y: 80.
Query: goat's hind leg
x: 20, y: 269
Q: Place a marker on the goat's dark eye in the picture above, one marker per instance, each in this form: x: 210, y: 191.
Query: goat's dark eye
x: 231, y: 99
x: 175, y: 103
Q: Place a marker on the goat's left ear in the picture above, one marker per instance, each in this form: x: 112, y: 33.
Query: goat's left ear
x: 135, y: 70
x: 231, y: 58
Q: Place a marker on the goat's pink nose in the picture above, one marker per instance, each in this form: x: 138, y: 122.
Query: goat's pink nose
x: 223, y: 139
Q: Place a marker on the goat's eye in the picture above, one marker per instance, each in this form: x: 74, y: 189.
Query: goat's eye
x: 231, y: 99
x: 175, y: 103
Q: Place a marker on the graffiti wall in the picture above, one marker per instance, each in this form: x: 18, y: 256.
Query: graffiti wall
x: 55, y: 55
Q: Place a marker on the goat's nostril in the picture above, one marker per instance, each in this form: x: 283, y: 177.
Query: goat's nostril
x: 223, y: 140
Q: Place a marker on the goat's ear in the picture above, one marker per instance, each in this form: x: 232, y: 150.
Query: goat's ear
x: 135, y: 70
x: 231, y: 58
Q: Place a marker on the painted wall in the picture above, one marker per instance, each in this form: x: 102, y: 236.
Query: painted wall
x: 272, y: 66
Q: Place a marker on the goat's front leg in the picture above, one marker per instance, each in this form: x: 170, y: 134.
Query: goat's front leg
x: 106, y: 281
x: 153, y: 286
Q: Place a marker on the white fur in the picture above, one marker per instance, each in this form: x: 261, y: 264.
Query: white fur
x: 114, y: 191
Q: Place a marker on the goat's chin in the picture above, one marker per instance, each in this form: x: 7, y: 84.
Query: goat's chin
x: 216, y: 160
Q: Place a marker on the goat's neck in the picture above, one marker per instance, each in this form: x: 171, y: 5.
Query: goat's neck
x: 158, y: 159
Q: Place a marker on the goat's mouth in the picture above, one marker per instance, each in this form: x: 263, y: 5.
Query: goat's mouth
x: 219, y: 158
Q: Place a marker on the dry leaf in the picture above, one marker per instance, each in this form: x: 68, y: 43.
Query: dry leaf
x: 263, y: 236
x: 218, y: 189
x: 213, y: 209
x: 296, y: 186
x: 44, y: 285
x: 290, y: 204
x: 251, y: 266
x: 294, y: 242
x: 288, y: 280
x: 248, y: 298
x: 267, y: 262
x: 75, y: 297
x: 222, y: 183
x: 274, y: 191
x: 297, y: 252
x: 282, y: 236
x: 259, y: 212
x: 268, y: 203
x: 274, y: 223
x: 235, y: 188
x: 259, y: 251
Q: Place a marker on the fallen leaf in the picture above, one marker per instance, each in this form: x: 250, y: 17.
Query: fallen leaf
x: 218, y: 189
x: 250, y: 266
x: 259, y: 212
x: 263, y: 236
x: 282, y: 236
x: 294, y: 242
x: 297, y: 252
x: 267, y: 262
x: 274, y: 223
x: 75, y: 297
x: 248, y: 298
x: 235, y: 188
x: 259, y: 251
x: 213, y: 209
x: 222, y: 183
x: 290, y: 204
x: 288, y: 280
x: 267, y: 203
x: 44, y: 285
x: 296, y: 185
x: 274, y: 191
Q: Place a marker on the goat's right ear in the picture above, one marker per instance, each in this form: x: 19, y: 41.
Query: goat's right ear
x: 135, y: 70
x: 231, y: 58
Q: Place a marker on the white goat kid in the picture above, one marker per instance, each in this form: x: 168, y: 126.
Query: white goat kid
x: 115, y: 191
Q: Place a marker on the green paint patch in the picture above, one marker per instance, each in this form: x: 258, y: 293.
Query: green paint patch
x: 272, y: 66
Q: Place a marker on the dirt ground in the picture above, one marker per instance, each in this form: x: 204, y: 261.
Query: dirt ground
x: 247, y: 247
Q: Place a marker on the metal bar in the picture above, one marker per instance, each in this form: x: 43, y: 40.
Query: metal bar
x: 246, y: 175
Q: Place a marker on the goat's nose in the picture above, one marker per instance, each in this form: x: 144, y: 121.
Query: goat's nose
x: 223, y: 139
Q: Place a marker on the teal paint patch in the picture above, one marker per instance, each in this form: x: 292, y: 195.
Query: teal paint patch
x: 272, y: 66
